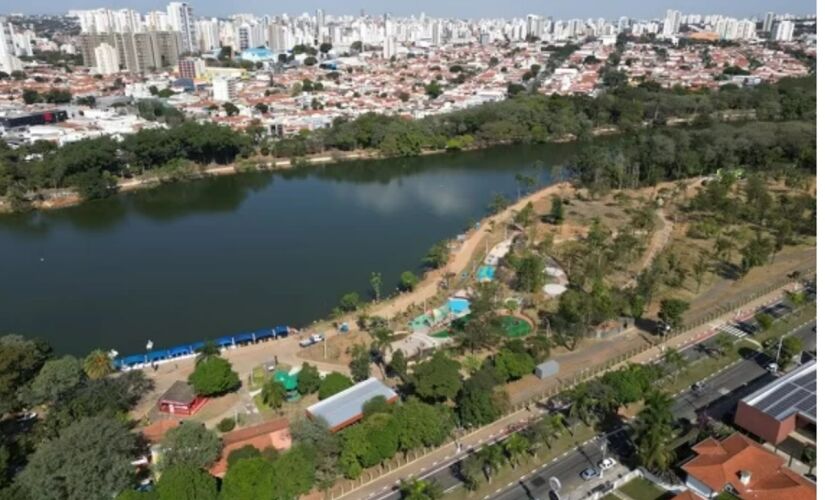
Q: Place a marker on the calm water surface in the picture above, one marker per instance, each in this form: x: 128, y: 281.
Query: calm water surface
x: 197, y: 260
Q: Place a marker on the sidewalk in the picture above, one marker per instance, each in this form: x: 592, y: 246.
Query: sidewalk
x: 703, y: 332
x: 374, y: 485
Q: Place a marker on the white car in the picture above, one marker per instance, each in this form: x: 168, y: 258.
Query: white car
x: 607, y: 464
x: 589, y: 473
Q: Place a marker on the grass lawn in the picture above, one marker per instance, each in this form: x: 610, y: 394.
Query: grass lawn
x: 610, y: 496
x: 515, y: 327
x: 642, y: 489
x: 258, y: 377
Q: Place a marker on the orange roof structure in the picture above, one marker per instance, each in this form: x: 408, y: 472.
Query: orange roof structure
x: 752, y: 471
x: 270, y: 434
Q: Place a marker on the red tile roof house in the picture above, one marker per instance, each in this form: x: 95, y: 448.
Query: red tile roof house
x: 270, y: 434
x: 181, y: 399
x: 742, y: 467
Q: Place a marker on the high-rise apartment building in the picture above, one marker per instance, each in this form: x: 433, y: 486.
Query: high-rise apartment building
x: 279, y: 40
x: 535, y: 25
x: 767, y: 23
x: 182, y: 19
x: 106, y: 59
x: 224, y: 89
x: 8, y: 55
x: 137, y: 52
x: 783, y: 31
x: 208, y: 34
x: 673, y: 20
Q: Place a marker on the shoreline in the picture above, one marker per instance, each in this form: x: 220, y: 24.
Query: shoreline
x: 68, y: 197
x: 389, y: 307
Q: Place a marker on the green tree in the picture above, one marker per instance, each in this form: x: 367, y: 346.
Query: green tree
x: 246, y: 451
x: 557, y: 210
x: 510, y: 365
x: 654, y: 431
x: 56, y: 379
x: 529, y: 273
x: 433, y: 89
x: 332, y: 384
x: 398, y: 364
x: 516, y: 446
x: 408, y: 281
x: 755, y: 253
x: 498, y: 204
x: 309, y: 380
x: 97, y: 364
x: 437, y: 379
x: 273, y: 394
x: 375, y: 284
x: 479, y: 333
x: 438, y: 255
x: 419, y: 489
x: 249, y: 478
x: 230, y: 109
x: 214, y: 376
x: 186, y: 482
x: 671, y: 311
x: 349, y: 302
x: 359, y: 365
x: 421, y: 424
x: 477, y: 403
x: 20, y: 361
x: 765, y: 321
x: 190, y: 444
x: 89, y: 459
x: 316, y: 437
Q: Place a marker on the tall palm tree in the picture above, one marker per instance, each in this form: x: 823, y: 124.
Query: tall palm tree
x: 207, y: 350
x: 654, y: 432
x: 472, y: 468
x: 492, y: 458
x: 584, y: 404
x: 97, y: 364
x: 516, y: 445
x: 381, y: 341
x: 419, y: 489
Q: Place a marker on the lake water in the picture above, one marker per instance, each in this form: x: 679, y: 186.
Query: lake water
x: 198, y: 260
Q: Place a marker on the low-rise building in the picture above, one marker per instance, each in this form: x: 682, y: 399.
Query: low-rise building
x: 743, y: 468
x: 781, y: 407
x: 345, y: 408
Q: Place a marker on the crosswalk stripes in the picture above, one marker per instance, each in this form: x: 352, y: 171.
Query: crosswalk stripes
x: 733, y: 331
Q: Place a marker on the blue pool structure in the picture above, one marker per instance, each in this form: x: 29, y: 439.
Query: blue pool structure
x: 238, y: 339
x: 458, y: 306
x: 485, y: 273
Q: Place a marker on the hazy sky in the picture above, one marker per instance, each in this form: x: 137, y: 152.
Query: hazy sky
x: 609, y: 9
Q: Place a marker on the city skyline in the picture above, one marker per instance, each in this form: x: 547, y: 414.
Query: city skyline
x: 457, y: 9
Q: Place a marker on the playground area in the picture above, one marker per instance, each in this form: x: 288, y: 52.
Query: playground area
x: 513, y: 326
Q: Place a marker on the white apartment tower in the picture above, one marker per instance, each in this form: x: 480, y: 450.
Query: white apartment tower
x: 208, y: 32
x: 182, y: 19
x: 767, y: 23
x: 389, y: 38
x: 106, y: 59
x: 320, y: 23
x: 783, y: 31
x: 224, y: 89
x: 535, y: 25
x: 437, y: 31
x: 8, y: 60
x: 673, y: 19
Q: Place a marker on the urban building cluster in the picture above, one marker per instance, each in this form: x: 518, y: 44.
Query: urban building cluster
x: 303, y: 72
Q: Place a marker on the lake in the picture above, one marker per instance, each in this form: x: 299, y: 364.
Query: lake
x: 201, y: 259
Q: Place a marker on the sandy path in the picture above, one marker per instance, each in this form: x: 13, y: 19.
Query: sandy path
x: 461, y: 259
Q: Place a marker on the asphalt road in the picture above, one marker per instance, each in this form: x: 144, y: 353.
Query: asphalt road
x: 717, y: 399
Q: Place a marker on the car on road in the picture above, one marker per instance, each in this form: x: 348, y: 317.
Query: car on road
x: 607, y: 464
x: 773, y: 368
x: 698, y: 386
x: 589, y: 473
x: 311, y: 340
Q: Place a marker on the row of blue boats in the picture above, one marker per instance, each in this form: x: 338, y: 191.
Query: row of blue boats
x: 161, y: 355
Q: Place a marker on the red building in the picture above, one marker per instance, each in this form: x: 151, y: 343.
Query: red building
x: 781, y: 407
x: 181, y: 399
